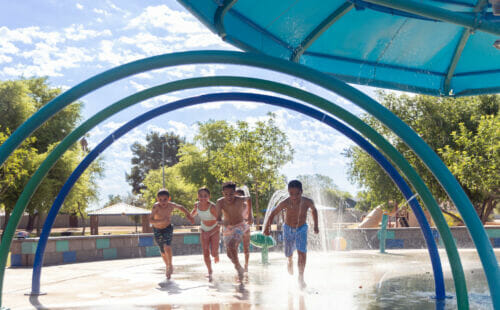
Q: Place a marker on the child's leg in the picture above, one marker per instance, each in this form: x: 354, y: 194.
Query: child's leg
x: 246, y: 248
x: 168, y: 254
x: 302, y: 266
x: 206, y: 251
x: 214, y: 245
x: 290, y: 264
x: 232, y: 253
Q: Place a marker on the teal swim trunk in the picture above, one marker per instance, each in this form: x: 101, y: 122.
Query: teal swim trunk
x: 295, y: 239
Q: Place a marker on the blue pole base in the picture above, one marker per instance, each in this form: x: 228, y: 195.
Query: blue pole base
x: 33, y: 294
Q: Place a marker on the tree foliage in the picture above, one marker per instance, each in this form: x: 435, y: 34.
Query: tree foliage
x: 181, y: 191
x: 435, y: 120
x: 247, y: 155
x: 322, y: 189
x: 149, y: 157
x: 475, y: 162
x: 18, y: 101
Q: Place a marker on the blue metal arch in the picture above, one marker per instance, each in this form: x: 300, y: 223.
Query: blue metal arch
x: 293, y: 105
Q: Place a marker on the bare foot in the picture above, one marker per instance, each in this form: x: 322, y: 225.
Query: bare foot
x: 302, y: 283
x: 241, y: 272
x: 216, y: 259
x: 170, y: 270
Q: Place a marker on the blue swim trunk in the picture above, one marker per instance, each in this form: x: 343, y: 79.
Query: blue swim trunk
x: 163, y: 236
x: 295, y: 239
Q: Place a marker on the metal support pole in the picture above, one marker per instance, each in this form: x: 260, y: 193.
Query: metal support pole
x: 163, y: 163
x: 383, y: 232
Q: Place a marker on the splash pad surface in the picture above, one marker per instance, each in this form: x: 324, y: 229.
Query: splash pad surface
x: 401, y: 279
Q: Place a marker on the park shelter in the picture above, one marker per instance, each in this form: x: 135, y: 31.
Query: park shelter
x: 119, y: 209
x: 426, y: 46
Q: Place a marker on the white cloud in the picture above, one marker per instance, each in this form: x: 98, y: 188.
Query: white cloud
x: 79, y: 6
x: 100, y: 11
x: 162, y: 16
x: 78, y: 33
x: 116, y: 55
x: 5, y: 59
x: 113, y: 125
x: 158, y: 101
x: 137, y: 86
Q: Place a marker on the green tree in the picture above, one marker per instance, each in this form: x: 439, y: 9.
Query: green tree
x: 14, y: 173
x: 129, y: 199
x: 181, y: 192
x: 434, y: 119
x: 475, y: 162
x: 194, y: 166
x: 83, y: 193
x: 247, y: 155
x: 322, y: 189
x: 149, y: 157
x: 19, y: 99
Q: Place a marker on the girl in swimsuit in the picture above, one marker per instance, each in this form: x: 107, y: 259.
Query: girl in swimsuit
x: 210, y: 231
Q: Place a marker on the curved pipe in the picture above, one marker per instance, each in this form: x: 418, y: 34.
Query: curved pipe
x: 321, y: 103
x: 423, y: 151
x: 301, y: 108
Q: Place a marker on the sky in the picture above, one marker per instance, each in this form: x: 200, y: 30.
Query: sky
x: 71, y: 41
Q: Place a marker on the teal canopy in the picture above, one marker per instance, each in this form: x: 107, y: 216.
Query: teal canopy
x: 435, y: 47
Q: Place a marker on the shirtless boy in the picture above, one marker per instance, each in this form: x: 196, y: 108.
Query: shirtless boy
x: 162, y: 228
x: 248, y: 217
x: 295, y: 227
x: 234, y: 225
x: 210, y: 230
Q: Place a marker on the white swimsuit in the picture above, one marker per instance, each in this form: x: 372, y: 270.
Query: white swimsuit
x: 206, y: 216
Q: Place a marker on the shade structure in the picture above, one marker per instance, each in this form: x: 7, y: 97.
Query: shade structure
x: 434, y: 47
x: 120, y: 209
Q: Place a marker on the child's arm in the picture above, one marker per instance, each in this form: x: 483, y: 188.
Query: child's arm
x: 195, y: 210
x: 218, y: 211
x: 213, y: 210
x: 184, y: 210
x: 250, y: 211
x: 267, y: 229
x: 315, y: 216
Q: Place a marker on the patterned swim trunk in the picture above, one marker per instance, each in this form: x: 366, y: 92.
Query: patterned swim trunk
x: 163, y: 236
x: 235, y: 232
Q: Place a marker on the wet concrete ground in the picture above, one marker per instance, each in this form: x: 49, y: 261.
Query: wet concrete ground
x: 401, y: 279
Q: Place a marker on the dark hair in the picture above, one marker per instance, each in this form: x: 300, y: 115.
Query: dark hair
x: 229, y: 184
x: 240, y: 191
x: 295, y: 184
x: 163, y: 192
x: 204, y: 188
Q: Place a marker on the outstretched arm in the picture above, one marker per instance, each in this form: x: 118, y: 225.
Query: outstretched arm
x: 195, y: 211
x: 267, y: 229
x: 315, y: 217
x: 184, y: 210
x: 250, y: 211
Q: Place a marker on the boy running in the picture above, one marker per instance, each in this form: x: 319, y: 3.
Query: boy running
x: 162, y: 228
x: 235, y: 227
x: 295, y: 227
x: 209, y: 228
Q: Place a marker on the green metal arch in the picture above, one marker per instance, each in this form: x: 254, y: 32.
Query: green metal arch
x: 431, y: 160
x: 355, y: 122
